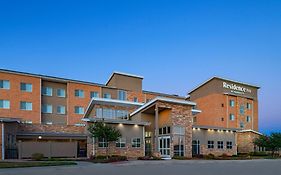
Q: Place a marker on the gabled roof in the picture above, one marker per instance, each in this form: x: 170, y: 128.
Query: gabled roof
x: 124, y: 74
x: 220, y: 78
x: 164, y: 99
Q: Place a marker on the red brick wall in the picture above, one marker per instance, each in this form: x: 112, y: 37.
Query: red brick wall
x: 1, y: 141
x: 15, y: 95
x: 73, y: 101
x: 216, y: 106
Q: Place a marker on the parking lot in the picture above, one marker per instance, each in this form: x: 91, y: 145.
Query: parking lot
x: 186, y: 167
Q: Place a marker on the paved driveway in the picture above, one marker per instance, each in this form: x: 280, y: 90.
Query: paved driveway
x: 171, y: 167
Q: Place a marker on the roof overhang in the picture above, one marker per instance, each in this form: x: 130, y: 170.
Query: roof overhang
x: 250, y: 130
x: 9, y: 120
x: 215, y: 128
x: 105, y: 101
x: 163, y: 99
x: 126, y: 122
x: 51, y: 135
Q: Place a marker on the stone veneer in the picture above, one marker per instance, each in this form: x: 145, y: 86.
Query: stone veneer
x: 181, y: 115
x: 245, y: 141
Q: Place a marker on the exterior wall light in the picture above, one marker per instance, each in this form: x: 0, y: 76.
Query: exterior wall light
x: 39, y: 137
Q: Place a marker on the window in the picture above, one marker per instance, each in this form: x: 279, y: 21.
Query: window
x: 111, y: 113
x: 47, y: 91
x: 222, y: 105
x: 242, y: 109
x: 122, y: 95
x: 26, y: 106
x: 222, y: 119
x: 4, y: 104
x: 165, y: 130
x: 249, y: 106
x: 178, y: 145
x: 48, y: 109
x: 79, y: 93
x: 107, y: 95
x: 231, y: 103
x: 136, y: 99
x: 220, y: 144
x: 179, y: 130
x: 248, y: 119
x: 241, y: 124
x: 121, y: 143
x: 194, y: 119
x: 211, y: 144
x: 228, y: 145
x: 79, y: 110
x: 231, y: 117
x: 136, y: 142
x: 147, y: 134
x: 27, y: 87
x: 4, y: 84
x: 148, y: 100
x: 60, y: 109
x: 61, y: 92
x: 99, y: 112
x: 107, y: 113
x: 103, y: 143
x: 94, y: 94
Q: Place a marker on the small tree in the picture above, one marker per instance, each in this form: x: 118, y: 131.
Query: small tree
x: 100, y: 130
x: 271, y: 142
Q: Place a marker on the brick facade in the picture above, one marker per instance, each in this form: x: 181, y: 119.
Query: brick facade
x: 33, y: 128
x: 204, y: 150
x: 15, y: 96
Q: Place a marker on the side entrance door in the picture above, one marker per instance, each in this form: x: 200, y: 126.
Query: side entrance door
x: 195, y: 147
x: 164, y: 146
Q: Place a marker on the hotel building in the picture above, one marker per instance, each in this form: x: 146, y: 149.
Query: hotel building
x: 50, y: 115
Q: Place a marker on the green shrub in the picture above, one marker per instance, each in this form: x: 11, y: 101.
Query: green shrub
x: 258, y: 154
x: 210, y: 156
x: 180, y: 158
x: 37, y: 156
x: 149, y: 158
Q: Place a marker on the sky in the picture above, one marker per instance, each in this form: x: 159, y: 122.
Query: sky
x: 174, y: 44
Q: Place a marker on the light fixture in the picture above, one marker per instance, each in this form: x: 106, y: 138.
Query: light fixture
x: 39, y: 137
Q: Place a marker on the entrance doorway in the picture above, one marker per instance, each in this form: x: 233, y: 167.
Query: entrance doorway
x: 195, y: 147
x: 164, y: 146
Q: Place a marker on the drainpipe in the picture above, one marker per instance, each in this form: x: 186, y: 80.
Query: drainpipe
x: 3, y: 142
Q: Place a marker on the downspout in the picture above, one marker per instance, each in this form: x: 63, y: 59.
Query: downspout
x: 3, y: 142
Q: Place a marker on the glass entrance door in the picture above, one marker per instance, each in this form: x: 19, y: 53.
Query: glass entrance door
x: 164, y: 146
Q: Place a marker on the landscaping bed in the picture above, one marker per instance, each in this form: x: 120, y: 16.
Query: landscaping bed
x: 34, y: 164
x: 108, y: 159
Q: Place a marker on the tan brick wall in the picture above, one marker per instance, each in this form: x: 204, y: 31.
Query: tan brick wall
x: 15, y: 95
x: 245, y: 141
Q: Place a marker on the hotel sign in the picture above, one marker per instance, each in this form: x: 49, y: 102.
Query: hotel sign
x: 237, y: 89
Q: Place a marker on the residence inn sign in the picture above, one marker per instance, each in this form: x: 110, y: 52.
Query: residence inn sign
x: 236, y: 88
